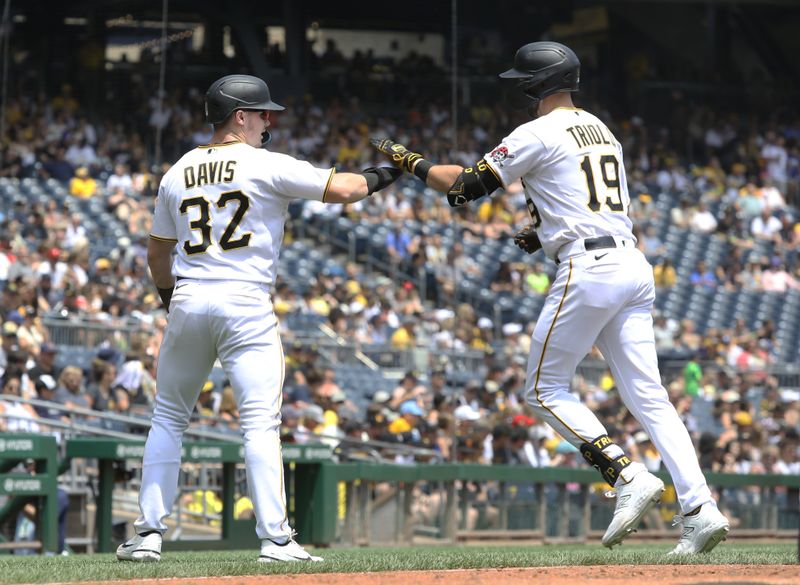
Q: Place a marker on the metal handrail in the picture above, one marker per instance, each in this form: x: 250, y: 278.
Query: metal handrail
x: 236, y: 439
x: 373, y: 445
x: 47, y: 422
x: 145, y: 423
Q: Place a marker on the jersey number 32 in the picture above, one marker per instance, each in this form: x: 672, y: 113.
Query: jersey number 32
x: 609, y: 190
x: 203, y: 223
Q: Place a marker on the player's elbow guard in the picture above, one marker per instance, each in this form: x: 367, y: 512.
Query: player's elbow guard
x: 473, y: 183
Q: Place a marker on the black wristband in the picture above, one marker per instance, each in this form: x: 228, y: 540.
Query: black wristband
x: 422, y: 168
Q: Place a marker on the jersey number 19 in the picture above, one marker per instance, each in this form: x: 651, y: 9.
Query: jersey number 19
x: 610, y: 183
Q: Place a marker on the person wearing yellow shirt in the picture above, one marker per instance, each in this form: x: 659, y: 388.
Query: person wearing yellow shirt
x: 404, y: 337
x: 406, y: 424
x: 537, y: 279
x: 664, y: 274
x: 82, y: 185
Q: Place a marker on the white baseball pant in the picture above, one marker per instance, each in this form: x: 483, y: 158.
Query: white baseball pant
x: 232, y: 320
x: 605, y: 297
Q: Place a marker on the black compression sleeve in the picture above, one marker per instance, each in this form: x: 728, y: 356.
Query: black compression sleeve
x: 372, y: 181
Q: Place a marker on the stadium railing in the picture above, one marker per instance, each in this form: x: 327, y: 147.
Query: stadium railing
x: 302, y: 462
x: 459, y: 502
x: 86, y: 333
x: 38, y: 480
x: 369, y: 501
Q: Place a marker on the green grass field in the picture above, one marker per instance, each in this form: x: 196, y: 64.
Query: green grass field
x: 209, y: 564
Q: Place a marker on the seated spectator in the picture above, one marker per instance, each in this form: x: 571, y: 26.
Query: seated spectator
x: 703, y: 276
x: 505, y: 279
x: 771, y: 196
x: 775, y: 157
x: 46, y: 391
x: 55, y: 165
x: 408, y: 389
x: 766, y: 226
x: 17, y: 417
x: 750, y: 277
x: 398, y: 245
x: 405, y: 428
x: 537, y: 279
x: 664, y: 274
x: 104, y: 396
x: 327, y: 386
x: 45, y: 362
x: 776, y: 279
x: 137, y: 378
x: 228, y: 410
x: 71, y: 391
x: 405, y: 337
x: 653, y: 246
x: 688, y: 338
x: 310, y: 423
x: 82, y: 185
x: 120, y: 181
x: 681, y: 216
x: 664, y: 333
x: 703, y: 221
x: 208, y: 401
x: 750, y: 202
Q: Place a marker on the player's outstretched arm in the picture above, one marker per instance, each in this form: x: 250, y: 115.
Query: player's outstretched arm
x: 461, y: 185
x: 352, y: 187
x: 438, y: 177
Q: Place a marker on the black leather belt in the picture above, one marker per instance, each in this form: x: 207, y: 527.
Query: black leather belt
x: 598, y: 243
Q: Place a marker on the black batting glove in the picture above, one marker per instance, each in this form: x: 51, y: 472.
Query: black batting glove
x: 528, y: 240
x: 397, y: 153
x: 380, y: 177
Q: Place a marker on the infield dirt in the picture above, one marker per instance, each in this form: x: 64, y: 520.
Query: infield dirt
x: 592, y: 575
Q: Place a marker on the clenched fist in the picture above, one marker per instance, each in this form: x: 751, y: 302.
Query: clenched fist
x: 397, y: 153
x: 527, y: 239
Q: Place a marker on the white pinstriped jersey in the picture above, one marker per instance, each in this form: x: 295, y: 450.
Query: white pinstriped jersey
x: 572, y: 170
x: 225, y: 205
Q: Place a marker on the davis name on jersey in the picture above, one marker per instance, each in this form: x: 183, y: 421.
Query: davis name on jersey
x: 225, y: 204
x: 573, y: 173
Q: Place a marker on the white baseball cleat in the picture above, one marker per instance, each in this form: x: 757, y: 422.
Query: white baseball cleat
x: 634, y: 500
x: 289, y: 551
x: 701, y: 532
x: 142, y: 548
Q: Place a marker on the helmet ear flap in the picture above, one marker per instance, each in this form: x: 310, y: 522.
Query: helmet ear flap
x: 517, y: 94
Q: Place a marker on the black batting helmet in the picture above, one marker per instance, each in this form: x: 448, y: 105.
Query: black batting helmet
x: 237, y: 92
x: 544, y: 68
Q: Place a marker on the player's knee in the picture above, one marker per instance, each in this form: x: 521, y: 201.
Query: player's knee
x: 547, y: 390
x: 173, y: 419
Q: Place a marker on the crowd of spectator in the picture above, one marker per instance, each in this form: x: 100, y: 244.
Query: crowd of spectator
x: 746, y: 169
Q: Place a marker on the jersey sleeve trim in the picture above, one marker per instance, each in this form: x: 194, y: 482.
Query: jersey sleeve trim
x: 163, y: 239
x: 496, y: 175
x: 328, y: 184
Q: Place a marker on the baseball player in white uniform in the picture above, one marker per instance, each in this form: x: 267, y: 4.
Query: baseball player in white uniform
x: 572, y: 170
x: 222, y: 208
